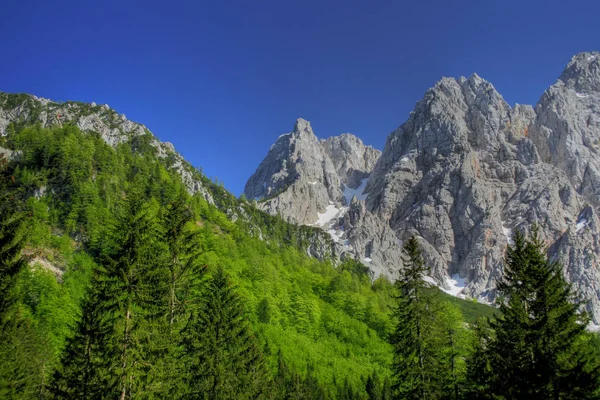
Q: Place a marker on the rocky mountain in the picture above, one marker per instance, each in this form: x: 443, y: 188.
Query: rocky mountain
x: 461, y: 173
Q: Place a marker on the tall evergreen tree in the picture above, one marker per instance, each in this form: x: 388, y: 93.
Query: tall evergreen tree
x: 534, y: 354
x: 83, y: 371
x: 415, y: 364
x: 110, y: 356
x: 18, y: 340
x: 11, y: 244
x: 185, y: 273
x: 222, y: 357
x: 133, y: 293
x: 479, y: 371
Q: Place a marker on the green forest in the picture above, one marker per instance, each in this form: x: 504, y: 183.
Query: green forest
x: 116, y: 283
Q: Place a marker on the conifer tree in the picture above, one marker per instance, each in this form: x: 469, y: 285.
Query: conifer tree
x: 18, y: 340
x: 111, y: 345
x: 415, y: 362
x: 479, y: 372
x: 80, y: 375
x: 534, y: 354
x: 133, y: 293
x: 222, y: 357
x: 373, y: 387
x: 11, y: 244
x: 185, y: 272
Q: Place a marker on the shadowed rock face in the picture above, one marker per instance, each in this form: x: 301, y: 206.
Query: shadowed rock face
x: 465, y: 170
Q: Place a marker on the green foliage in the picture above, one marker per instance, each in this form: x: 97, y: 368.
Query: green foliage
x: 430, y: 341
x: 534, y: 351
x: 222, y: 358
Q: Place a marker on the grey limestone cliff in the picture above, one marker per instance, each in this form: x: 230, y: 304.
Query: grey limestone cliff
x: 303, y: 177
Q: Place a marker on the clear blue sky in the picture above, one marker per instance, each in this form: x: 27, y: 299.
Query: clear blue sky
x: 222, y: 79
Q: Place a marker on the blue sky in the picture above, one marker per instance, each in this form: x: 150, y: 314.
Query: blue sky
x: 223, y: 79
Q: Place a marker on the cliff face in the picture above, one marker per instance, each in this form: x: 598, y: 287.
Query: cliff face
x: 307, y: 180
x: 461, y: 173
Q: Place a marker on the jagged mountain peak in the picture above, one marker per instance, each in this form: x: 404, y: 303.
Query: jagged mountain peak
x: 302, y: 127
x: 583, y: 72
x: 303, y: 177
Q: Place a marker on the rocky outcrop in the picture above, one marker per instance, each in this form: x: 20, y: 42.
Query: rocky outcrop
x: 305, y: 180
x: 567, y: 129
x: 113, y: 128
x: 353, y: 161
x: 466, y: 169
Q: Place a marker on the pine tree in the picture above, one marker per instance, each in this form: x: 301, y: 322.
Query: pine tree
x: 18, y: 339
x: 80, y: 374
x: 415, y: 364
x: 185, y: 272
x: 133, y: 293
x: 534, y: 354
x: 479, y: 372
x: 110, y: 354
x: 11, y: 244
x: 222, y: 357
x: 373, y: 387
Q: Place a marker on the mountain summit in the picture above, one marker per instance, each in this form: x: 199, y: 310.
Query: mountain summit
x: 463, y: 172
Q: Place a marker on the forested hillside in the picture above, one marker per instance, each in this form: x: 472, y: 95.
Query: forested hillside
x: 117, y: 283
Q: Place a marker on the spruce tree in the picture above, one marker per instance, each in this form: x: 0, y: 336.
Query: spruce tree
x: 185, y: 273
x: 222, y: 358
x: 534, y: 354
x: 479, y: 371
x: 18, y: 339
x: 83, y: 371
x: 373, y: 387
x: 111, y: 346
x: 415, y: 362
x: 11, y: 244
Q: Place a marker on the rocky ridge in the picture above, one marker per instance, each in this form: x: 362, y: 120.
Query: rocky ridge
x: 461, y: 174
x: 113, y: 128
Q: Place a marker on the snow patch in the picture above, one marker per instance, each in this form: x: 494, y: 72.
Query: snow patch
x: 592, y: 327
x: 358, y: 192
x: 404, y: 159
x: 581, y: 224
x: 429, y: 279
x: 507, y: 233
x: 330, y: 212
x: 312, y: 183
x: 338, y: 236
x: 456, y: 284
